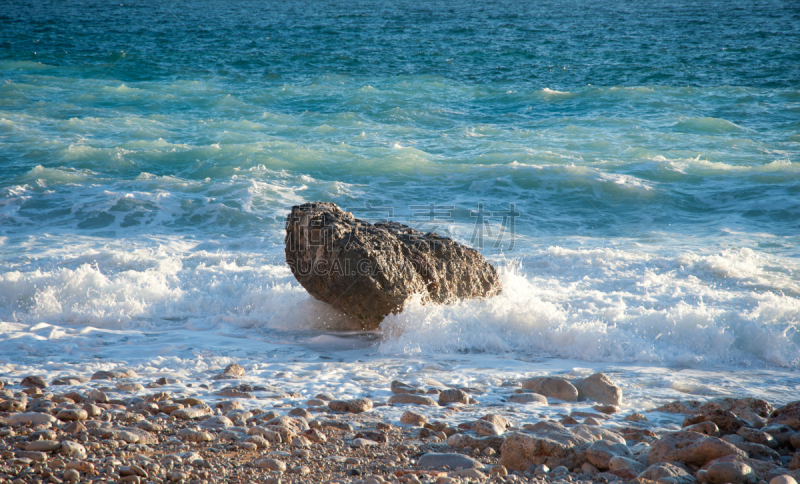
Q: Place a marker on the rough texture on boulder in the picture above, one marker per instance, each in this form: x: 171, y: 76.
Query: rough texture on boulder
x: 753, y: 410
x: 549, y: 444
x: 599, y: 388
x: 727, y: 422
x: 788, y: 415
x: 368, y: 271
x: 601, y: 452
x: 690, y: 448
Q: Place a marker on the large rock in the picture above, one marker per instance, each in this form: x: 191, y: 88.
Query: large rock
x: 788, y: 415
x: 665, y: 470
x: 600, y: 453
x: 552, y: 387
x: 753, y: 410
x: 369, y: 271
x: 690, y: 448
x: 726, y: 421
x: 599, y: 388
x: 730, y: 472
x: 549, y: 444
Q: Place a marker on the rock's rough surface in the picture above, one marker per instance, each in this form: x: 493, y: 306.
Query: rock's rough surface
x: 552, y: 387
x: 453, y: 396
x: 725, y: 420
x: 369, y: 271
x: 549, y: 444
x: 601, y: 452
x: 788, y: 415
x: 730, y: 472
x: 33, y: 381
x: 413, y: 418
x: 599, y: 388
x: 690, y: 448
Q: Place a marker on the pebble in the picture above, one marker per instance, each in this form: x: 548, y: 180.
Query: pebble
x: 528, y: 398
x: 364, y: 443
x: 784, y: 479
x: 411, y: 399
x: 98, y: 397
x: 72, y: 449
x: 300, y: 412
x: 72, y: 475
x: 192, y: 413
x: 43, y: 445
x: 453, y: 395
x: 359, y: 405
x: 271, y: 464
x: 73, y: 414
x: 452, y: 460
x: 33, y: 381
x: 413, y: 418
x: 30, y: 418
x: 115, y: 374
x: 129, y: 387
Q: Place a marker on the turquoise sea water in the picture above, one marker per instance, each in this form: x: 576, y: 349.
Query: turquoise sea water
x: 149, y: 152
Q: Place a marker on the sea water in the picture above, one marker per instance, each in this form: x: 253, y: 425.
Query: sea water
x: 630, y: 167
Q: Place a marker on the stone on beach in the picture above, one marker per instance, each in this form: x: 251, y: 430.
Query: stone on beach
x: 487, y: 428
x: 547, y: 443
x: 33, y: 381
x: 413, y: 418
x: 271, y: 464
x: 117, y: 374
x: 600, y: 453
x: 528, y: 398
x: 412, y: 399
x: 662, y: 470
x: 70, y: 415
x: 726, y: 421
x: 369, y: 271
x: 552, y: 387
x: 730, y: 472
x: 453, y: 396
x: 690, y: 448
x: 783, y: 479
x: 600, y: 389
x: 34, y: 418
x: 70, y: 448
x: 193, y: 413
x: 398, y: 387
x: 452, y: 460
x: 43, y: 445
x: 231, y: 372
x: 357, y: 405
x: 190, y: 435
x: 788, y: 415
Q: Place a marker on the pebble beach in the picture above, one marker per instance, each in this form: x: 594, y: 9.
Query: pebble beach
x: 628, y: 169
x: 113, y: 426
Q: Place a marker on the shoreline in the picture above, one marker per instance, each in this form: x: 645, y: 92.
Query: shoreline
x: 113, y: 426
